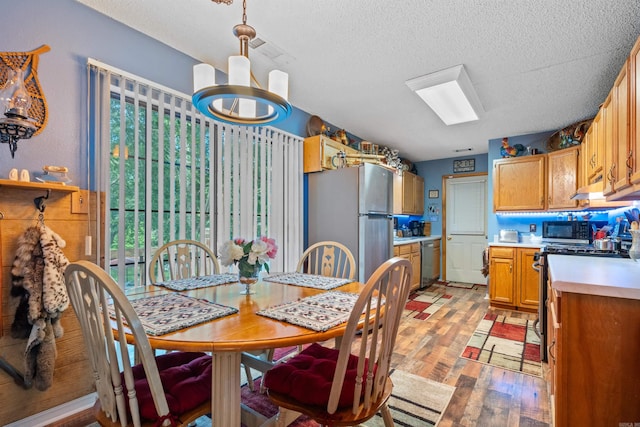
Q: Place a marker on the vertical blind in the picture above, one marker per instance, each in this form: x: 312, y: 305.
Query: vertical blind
x: 167, y: 172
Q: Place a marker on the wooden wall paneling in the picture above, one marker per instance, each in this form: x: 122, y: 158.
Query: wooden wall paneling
x: 72, y: 378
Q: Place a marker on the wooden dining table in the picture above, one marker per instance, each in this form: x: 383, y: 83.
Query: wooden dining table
x: 226, y: 338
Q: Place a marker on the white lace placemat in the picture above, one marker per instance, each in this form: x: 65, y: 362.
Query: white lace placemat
x: 166, y: 313
x: 308, y: 280
x: 199, y: 282
x: 318, y: 312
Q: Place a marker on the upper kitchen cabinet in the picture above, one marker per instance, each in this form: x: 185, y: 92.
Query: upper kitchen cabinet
x: 627, y: 186
x: 321, y: 153
x: 621, y: 168
x: 519, y: 183
x: 562, y: 178
x: 408, y: 194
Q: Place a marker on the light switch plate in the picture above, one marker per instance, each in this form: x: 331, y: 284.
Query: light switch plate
x: 80, y: 202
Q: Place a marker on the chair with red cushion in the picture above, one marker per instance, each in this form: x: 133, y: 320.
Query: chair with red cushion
x: 171, y: 389
x: 349, y: 385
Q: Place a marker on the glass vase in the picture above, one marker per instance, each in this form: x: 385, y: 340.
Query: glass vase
x: 248, y: 275
x: 634, y: 250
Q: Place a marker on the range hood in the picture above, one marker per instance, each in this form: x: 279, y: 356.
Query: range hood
x: 589, y: 192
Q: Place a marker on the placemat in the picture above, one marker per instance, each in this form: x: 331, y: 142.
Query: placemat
x: 318, y: 312
x: 166, y: 313
x: 308, y: 280
x: 199, y: 282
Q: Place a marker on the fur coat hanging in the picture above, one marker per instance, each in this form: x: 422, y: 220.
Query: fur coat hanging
x: 37, y: 278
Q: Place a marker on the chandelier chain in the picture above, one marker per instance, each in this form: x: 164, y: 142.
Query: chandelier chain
x: 244, y: 12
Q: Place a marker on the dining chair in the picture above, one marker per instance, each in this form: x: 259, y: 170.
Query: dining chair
x: 349, y: 385
x: 182, y: 259
x: 171, y: 389
x: 327, y: 258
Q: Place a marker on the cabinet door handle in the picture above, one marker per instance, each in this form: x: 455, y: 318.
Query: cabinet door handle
x: 553, y: 344
x: 510, y: 268
x: 630, y: 164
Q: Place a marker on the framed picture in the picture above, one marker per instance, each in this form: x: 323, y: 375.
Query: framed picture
x: 433, y: 194
x: 465, y: 165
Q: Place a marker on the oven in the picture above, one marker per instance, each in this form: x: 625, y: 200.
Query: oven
x: 569, y: 247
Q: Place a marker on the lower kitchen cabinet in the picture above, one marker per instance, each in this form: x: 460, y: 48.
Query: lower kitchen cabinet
x: 513, y: 283
x: 411, y: 252
x: 593, y: 347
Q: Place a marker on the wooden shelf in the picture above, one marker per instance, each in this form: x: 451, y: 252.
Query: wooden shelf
x: 38, y: 186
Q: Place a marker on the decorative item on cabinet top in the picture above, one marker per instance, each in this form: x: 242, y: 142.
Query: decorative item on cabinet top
x: 568, y: 136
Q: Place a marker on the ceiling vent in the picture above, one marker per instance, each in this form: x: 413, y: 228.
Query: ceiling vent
x: 270, y: 51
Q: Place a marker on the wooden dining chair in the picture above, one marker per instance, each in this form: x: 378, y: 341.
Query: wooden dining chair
x: 182, y: 259
x: 325, y: 258
x: 328, y: 259
x: 171, y: 389
x: 349, y: 385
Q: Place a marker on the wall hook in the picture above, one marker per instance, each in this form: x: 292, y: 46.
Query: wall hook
x: 39, y: 201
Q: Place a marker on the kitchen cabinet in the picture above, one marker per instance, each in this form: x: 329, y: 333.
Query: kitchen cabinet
x: 595, y: 148
x: 593, y: 366
x: 519, y: 183
x: 628, y: 184
x: 621, y: 166
x: 562, y: 178
x: 320, y: 152
x: 411, y: 252
x: 513, y: 283
x: 408, y: 194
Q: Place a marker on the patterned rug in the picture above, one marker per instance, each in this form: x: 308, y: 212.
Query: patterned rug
x: 408, y: 407
x: 506, y: 342
x: 185, y: 311
x: 464, y: 285
x: 423, y: 304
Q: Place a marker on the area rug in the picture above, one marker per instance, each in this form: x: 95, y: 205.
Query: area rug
x: 506, y: 342
x: 423, y: 304
x: 415, y: 401
x: 464, y: 285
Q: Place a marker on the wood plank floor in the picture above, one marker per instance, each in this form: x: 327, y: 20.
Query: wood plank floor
x: 485, y: 396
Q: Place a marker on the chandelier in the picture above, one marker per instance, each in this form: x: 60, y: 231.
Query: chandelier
x: 237, y: 101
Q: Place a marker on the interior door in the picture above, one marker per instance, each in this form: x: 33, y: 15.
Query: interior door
x: 465, y: 227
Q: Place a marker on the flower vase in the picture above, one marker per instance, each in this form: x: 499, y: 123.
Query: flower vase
x: 634, y: 250
x: 248, y: 275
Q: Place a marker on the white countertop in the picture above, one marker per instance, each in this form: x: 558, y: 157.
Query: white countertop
x: 416, y: 239
x: 609, y: 277
x: 519, y: 244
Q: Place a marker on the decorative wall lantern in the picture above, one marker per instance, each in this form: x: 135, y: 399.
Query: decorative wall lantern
x: 21, y: 99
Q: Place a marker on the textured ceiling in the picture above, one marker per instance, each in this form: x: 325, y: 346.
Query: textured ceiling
x: 537, y: 65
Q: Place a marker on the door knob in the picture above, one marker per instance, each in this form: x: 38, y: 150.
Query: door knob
x: 449, y: 237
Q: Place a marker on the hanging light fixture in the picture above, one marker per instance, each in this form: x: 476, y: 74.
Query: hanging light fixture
x: 15, y: 100
x: 237, y: 101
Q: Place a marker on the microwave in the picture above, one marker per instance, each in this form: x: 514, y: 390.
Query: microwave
x: 567, y: 231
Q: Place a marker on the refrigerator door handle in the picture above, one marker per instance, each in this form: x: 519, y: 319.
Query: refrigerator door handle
x: 373, y: 213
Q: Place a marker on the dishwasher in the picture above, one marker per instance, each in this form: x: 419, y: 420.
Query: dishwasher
x: 427, y: 249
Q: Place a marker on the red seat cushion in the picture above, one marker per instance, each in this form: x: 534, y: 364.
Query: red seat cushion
x: 186, y: 378
x: 308, y: 376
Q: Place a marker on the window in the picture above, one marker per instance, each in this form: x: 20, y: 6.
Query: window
x: 166, y: 172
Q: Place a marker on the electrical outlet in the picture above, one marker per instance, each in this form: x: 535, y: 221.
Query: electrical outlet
x: 80, y: 202
x: 532, y: 228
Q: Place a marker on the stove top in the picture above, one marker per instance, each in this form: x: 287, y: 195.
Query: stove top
x: 584, y: 250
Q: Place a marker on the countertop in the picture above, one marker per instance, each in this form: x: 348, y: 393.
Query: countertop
x: 609, y: 277
x: 519, y: 244
x: 397, y: 241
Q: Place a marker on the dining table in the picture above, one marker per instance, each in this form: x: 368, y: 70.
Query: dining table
x: 230, y: 338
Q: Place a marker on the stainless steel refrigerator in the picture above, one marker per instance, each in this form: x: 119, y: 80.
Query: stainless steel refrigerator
x: 353, y: 206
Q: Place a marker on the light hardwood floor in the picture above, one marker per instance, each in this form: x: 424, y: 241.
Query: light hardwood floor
x: 485, y: 396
